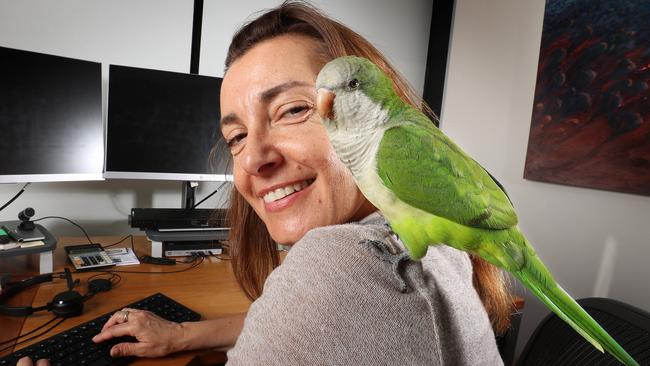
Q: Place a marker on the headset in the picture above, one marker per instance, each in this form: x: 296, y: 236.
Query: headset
x: 65, y: 304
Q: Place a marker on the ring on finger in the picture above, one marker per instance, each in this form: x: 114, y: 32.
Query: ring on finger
x: 125, y: 316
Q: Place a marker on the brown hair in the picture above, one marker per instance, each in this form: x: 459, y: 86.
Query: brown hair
x: 253, y: 252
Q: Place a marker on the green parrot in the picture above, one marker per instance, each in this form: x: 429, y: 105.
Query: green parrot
x: 429, y: 190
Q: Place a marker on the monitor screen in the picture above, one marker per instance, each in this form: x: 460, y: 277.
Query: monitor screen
x: 164, y: 125
x: 50, y: 118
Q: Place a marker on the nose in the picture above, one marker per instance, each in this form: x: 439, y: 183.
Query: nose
x: 325, y: 103
x: 260, y: 156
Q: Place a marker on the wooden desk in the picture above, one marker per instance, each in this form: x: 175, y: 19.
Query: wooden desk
x: 209, y: 289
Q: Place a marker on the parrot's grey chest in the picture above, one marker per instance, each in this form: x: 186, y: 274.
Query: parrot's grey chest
x: 358, y: 131
x: 358, y: 153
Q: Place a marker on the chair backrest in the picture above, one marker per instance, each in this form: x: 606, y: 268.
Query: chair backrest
x: 507, y: 342
x: 556, y: 343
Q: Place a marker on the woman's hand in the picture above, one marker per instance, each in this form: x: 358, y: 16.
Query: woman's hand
x: 155, y: 336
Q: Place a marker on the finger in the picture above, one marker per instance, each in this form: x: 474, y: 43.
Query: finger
x: 119, y: 317
x: 117, y: 330
x: 43, y: 362
x: 113, y: 320
x: 25, y: 361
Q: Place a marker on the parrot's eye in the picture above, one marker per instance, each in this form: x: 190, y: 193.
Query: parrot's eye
x: 353, y: 84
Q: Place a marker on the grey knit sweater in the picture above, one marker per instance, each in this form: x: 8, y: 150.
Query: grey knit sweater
x: 348, y: 295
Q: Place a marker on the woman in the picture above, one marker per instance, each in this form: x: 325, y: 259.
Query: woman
x: 345, y: 293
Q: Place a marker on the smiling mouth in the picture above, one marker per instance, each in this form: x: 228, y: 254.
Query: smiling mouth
x: 282, y: 192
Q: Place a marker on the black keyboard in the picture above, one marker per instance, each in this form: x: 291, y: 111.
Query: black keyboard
x: 75, y: 346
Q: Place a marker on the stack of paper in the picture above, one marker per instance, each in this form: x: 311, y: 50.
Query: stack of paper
x: 13, y: 245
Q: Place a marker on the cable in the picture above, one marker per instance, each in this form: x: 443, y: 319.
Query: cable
x: 14, y: 197
x: 85, y: 233
x: 194, y: 261
x: 193, y: 257
x: 194, y: 265
x: 114, y: 278
x: 53, y: 274
x: 36, y: 336
x: 123, y: 239
x: 210, y: 195
x: 70, y: 221
x: 30, y: 332
x: 218, y: 256
x: 133, y: 247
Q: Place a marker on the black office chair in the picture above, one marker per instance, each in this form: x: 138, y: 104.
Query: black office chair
x: 556, y: 343
x: 507, y: 342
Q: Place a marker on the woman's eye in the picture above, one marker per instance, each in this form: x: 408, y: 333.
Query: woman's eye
x: 296, y: 111
x: 233, y: 141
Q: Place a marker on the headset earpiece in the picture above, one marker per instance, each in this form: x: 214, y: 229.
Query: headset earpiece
x: 68, y: 303
x: 65, y: 304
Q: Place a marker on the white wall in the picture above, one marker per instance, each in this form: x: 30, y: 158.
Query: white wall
x: 404, y: 42
x: 487, y: 110
x: 157, y: 34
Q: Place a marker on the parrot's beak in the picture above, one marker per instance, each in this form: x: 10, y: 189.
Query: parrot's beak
x: 325, y: 103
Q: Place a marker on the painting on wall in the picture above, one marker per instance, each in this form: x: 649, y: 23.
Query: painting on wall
x: 591, y: 113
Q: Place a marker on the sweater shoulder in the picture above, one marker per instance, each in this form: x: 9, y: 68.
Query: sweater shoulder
x: 337, y: 299
x: 336, y: 244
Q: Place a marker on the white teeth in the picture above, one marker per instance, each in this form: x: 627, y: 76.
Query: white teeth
x: 270, y: 197
x: 288, y: 190
x: 284, y: 191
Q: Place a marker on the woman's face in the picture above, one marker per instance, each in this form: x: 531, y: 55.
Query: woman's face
x: 284, y: 165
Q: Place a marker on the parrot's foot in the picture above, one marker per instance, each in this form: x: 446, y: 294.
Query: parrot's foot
x: 390, y: 231
x: 382, y: 251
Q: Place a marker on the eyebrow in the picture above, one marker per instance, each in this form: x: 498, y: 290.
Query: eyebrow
x: 228, y: 119
x: 266, y: 96
x: 273, y: 92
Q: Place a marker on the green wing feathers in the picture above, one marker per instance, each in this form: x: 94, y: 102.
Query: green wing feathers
x: 461, y: 205
x: 538, y: 279
x: 425, y: 169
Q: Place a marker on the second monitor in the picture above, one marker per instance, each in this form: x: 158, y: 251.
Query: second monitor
x: 163, y: 125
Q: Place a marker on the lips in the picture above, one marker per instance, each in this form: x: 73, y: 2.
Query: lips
x: 280, y: 193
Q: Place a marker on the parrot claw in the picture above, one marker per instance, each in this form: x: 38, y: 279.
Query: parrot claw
x: 382, y: 251
x: 391, y: 234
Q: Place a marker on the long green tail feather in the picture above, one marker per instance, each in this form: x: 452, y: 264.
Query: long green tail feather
x: 537, y: 278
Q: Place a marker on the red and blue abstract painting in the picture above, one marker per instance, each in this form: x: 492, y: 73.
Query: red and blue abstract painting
x: 591, y: 113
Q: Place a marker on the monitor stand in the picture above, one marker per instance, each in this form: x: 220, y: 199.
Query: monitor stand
x: 198, y: 241
x: 44, y: 247
x: 188, y: 194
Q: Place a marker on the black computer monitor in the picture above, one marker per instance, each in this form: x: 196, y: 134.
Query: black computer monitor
x: 50, y: 118
x: 164, y: 125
